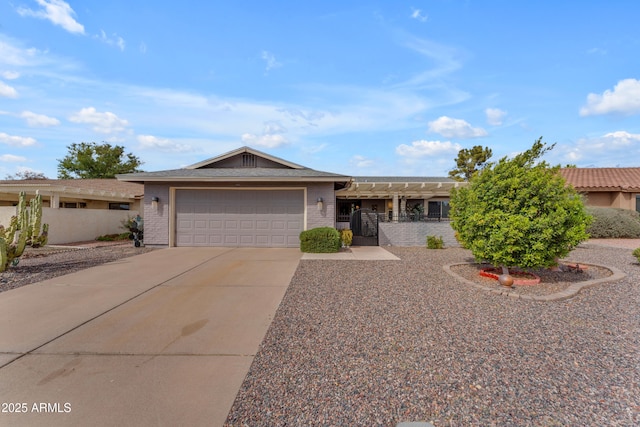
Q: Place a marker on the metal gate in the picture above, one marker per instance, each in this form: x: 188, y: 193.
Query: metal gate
x: 364, y: 225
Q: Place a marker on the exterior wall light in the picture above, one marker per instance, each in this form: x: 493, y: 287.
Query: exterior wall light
x: 319, y: 203
x: 154, y: 202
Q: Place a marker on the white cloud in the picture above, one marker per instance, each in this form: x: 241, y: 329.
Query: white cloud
x: 597, y: 50
x: 622, y: 138
x: 270, y: 60
x: 606, y: 150
x: 56, y: 11
x: 270, y: 141
x: 10, y: 158
x: 7, y: 91
x: 359, y: 161
x: 10, y: 75
x: 163, y: 144
x: 103, y: 122
x: 427, y: 148
x: 495, y: 116
x: 418, y: 15
x: 39, y: 120
x: 624, y: 99
x: 455, y: 128
x: 16, y: 141
x: 115, y: 40
x: 271, y: 137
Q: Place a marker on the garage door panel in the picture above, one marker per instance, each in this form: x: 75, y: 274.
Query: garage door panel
x: 247, y: 224
x: 267, y: 218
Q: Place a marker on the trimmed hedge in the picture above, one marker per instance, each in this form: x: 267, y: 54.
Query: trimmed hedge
x: 320, y: 240
x: 613, y: 223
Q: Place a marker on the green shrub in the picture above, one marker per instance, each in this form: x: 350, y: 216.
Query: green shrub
x: 434, y: 242
x: 320, y: 240
x: 519, y: 212
x: 113, y: 237
x: 614, y: 223
x: 636, y: 254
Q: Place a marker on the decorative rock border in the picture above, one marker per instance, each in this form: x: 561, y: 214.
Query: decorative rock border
x: 486, y: 272
x: 570, y: 292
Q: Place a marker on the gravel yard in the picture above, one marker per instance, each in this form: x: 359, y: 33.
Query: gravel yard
x: 375, y: 343
x: 45, y: 263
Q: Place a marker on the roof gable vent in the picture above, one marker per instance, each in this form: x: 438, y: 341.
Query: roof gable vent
x: 249, y: 160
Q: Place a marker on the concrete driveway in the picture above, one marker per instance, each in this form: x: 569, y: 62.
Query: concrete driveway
x: 164, y: 338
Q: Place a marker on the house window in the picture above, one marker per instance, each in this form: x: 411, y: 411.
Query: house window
x: 248, y: 160
x: 345, y: 208
x: 637, y: 203
x: 438, y: 210
x: 119, y: 206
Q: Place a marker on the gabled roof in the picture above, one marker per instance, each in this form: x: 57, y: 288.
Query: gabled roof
x: 88, y: 188
x: 279, y: 170
x: 243, y: 150
x: 603, y: 179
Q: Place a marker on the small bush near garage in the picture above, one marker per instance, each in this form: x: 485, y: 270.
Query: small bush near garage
x: 614, y: 223
x: 434, y: 242
x: 636, y: 253
x: 320, y: 240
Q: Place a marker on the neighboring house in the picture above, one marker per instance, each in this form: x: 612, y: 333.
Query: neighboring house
x: 606, y: 187
x: 75, y: 193
x: 76, y: 209
x: 250, y: 198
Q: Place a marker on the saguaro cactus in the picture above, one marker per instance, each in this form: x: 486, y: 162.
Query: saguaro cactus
x: 24, y: 228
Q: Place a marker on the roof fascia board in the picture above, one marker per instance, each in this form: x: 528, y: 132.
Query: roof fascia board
x: 237, y: 179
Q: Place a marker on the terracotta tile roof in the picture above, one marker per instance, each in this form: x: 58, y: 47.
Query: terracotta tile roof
x: 603, y: 179
x: 87, y: 185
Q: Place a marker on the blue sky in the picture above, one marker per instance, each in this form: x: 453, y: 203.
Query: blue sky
x: 352, y: 87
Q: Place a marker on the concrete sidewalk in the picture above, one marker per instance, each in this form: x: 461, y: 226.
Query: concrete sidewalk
x: 164, y: 338
x: 361, y: 253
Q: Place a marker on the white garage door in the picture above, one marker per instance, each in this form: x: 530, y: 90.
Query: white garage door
x: 262, y: 218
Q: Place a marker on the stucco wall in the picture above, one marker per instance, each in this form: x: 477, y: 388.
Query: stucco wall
x: 415, y: 233
x: 76, y: 225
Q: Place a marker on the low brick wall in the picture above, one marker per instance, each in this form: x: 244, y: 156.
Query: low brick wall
x: 415, y: 233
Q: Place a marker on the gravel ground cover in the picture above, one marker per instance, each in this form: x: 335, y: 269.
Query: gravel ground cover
x: 51, y: 261
x: 364, y: 343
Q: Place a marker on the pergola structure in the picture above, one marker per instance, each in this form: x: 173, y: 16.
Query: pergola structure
x: 398, y: 189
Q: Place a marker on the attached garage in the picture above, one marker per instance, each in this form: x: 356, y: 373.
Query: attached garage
x: 242, y: 217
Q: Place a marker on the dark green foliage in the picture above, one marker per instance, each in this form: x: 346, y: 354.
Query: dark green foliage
x: 614, y: 223
x: 519, y: 212
x: 320, y: 240
x: 113, y: 237
x: 90, y: 160
x: 469, y: 161
x: 434, y: 242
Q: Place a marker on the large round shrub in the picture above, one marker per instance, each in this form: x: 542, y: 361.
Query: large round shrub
x: 519, y: 212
